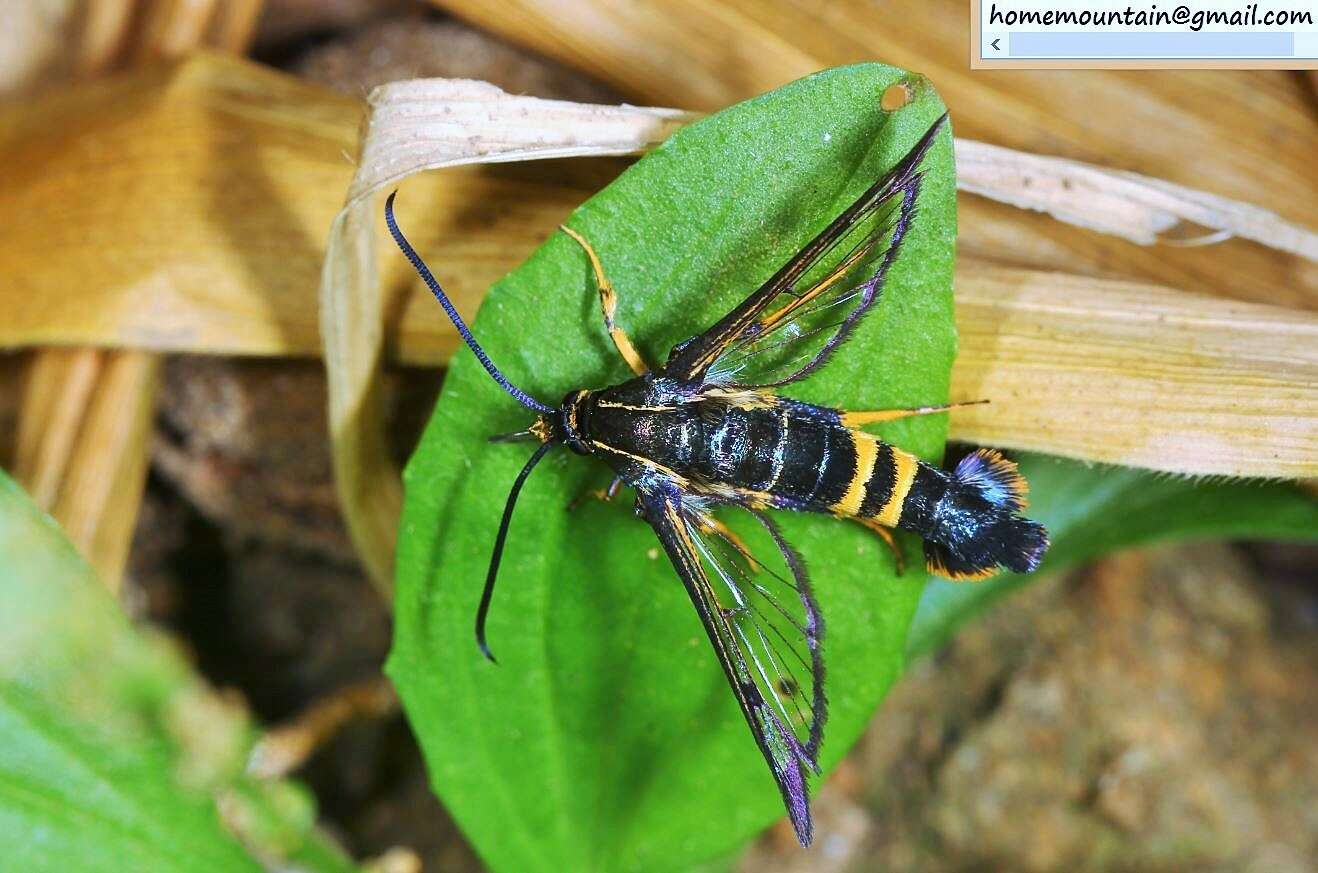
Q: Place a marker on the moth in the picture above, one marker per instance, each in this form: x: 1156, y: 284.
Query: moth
x: 709, y: 431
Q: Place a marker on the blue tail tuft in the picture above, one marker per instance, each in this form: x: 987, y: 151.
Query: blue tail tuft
x: 983, y: 531
x: 995, y: 478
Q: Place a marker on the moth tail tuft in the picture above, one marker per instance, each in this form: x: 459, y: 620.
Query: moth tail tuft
x: 995, y: 478
x: 1009, y: 541
x: 992, y: 535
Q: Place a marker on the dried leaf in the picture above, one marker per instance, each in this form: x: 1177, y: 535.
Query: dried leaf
x: 95, y: 491
x: 226, y: 174
x: 1119, y: 203
x: 181, y: 207
x: 1134, y: 374
x: 1247, y: 135
x: 426, y: 124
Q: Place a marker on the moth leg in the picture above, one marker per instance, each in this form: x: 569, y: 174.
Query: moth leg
x: 887, y: 537
x: 603, y: 495
x: 874, y: 416
x: 710, y: 524
x: 608, y: 304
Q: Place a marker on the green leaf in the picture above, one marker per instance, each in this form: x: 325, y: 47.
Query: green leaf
x: 1091, y: 510
x: 113, y: 756
x: 606, y: 738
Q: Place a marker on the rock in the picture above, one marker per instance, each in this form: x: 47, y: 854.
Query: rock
x: 248, y: 442
x: 285, y: 22
x: 1152, y: 713
x: 413, y: 47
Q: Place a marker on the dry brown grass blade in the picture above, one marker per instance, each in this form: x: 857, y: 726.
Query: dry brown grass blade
x: 57, y: 390
x: 104, y: 35
x: 416, y: 126
x: 166, y: 29
x: 115, y: 33
x: 287, y: 746
x: 226, y: 176
x: 90, y: 470
x: 212, y: 181
x: 1249, y: 136
x: 234, y: 25
x: 172, y: 28
x: 1134, y: 374
x: 81, y: 451
x: 102, y: 490
x: 243, y: 165
x: 427, y: 124
x: 1122, y: 204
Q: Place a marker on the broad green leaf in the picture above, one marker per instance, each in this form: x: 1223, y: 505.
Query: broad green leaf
x: 112, y: 755
x: 606, y: 738
x: 1091, y: 510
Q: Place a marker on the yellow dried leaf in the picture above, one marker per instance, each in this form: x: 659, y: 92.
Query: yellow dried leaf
x: 1135, y: 374
x: 184, y: 208
x: 1246, y: 135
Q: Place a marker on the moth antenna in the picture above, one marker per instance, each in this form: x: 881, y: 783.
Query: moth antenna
x: 483, y: 610
x: 433, y: 284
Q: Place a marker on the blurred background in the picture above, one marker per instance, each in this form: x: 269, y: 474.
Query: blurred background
x: 1152, y: 711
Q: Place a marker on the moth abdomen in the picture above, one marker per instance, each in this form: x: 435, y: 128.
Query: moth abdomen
x: 969, y: 517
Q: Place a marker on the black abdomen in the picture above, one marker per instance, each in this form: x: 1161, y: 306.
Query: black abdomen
x: 790, y: 451
x: 765, y: 451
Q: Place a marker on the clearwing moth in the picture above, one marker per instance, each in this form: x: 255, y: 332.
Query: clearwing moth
x: 708, y: 430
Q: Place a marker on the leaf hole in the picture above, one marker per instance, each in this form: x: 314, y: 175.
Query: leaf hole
x: 896, y: 96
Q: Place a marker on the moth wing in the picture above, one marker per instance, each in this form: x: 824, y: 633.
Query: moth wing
x: 766, y: 630
x: 793, y: 323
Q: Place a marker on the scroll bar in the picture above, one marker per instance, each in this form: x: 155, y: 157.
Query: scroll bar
x: 1205, y: 45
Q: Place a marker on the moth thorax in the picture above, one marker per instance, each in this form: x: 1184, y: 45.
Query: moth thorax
x: 572, y: 418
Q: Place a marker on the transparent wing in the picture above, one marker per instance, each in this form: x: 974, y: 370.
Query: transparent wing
x: 792, y: 324
x: 802, y: 328
x: 754, y: 600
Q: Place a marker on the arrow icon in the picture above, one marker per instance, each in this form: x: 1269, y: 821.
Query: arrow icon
x: 994, y: 44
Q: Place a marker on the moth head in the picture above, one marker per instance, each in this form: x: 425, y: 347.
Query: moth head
x: 569, y: 426
x: 564, y: 425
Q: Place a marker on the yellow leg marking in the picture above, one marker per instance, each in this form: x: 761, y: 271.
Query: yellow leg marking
x: 867, y: 452
x: 874, y: 416
x: 603, y: 495
x: 903, y: 476
x: 608, y: 304
x: 887, y: 536
x: 710, y: 524
x: 606, y: 495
